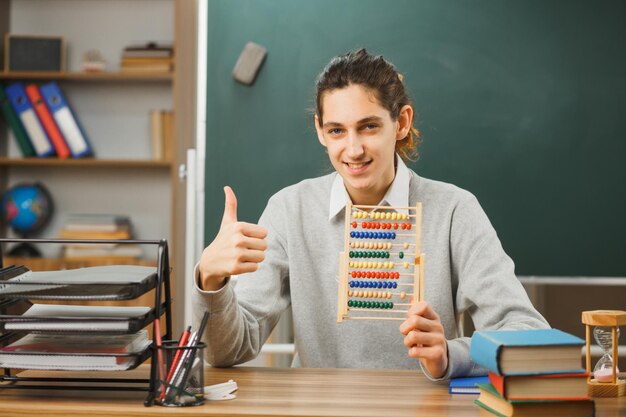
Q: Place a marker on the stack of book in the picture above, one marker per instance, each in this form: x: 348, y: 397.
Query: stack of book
x: 91, y: 226
x: 148, y: 57
x: 42, y: 121
x: 532, y: 373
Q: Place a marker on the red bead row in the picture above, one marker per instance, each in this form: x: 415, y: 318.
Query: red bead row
x: 377, y: 274
x: 378, y: 225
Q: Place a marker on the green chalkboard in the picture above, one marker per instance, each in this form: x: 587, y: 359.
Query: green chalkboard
x: 521, y: 102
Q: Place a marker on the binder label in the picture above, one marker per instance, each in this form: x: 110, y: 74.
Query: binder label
x: 72, y: 134
x: 36, y: 132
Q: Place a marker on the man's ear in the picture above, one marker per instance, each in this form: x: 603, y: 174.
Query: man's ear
x: 320, y: 133
x: 405, y: 121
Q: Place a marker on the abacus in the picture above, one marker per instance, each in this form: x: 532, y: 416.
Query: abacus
x: 382, y: 250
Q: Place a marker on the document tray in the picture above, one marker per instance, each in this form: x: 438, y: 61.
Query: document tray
x: 71, y: 319
x: 113, y: 282
x: 70, y: 361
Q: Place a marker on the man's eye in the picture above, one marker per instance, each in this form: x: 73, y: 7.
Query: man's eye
x: 370, y: 126
x: 335, y: 131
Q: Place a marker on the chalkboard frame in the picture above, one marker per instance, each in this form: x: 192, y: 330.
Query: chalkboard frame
x: 45, y: 53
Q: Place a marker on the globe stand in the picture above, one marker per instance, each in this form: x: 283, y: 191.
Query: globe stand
x: 24, y: 250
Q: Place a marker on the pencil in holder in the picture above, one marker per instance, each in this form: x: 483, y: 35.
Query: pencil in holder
x: 180, y: 382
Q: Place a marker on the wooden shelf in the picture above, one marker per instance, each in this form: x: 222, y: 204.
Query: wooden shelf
x: 84, y: 162
x: 88, y: 76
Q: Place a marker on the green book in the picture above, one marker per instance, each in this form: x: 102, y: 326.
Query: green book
x: 16, y: 125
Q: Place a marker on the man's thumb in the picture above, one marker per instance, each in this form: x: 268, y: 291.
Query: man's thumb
x: 230, y: 206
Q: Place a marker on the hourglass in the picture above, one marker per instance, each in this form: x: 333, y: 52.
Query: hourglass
x: 604, y: 382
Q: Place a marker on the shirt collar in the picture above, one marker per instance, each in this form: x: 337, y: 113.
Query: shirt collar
x: 397, y: 195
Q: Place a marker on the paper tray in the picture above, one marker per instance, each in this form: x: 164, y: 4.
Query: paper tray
x: 80, y: 361
x: 76, y: 325
x: 114, y: 282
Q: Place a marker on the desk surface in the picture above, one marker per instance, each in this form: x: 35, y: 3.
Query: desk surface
x: 277, y: 392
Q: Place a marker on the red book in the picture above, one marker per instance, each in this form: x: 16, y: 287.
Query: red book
x: 553, y: 387
x: 50, y: 126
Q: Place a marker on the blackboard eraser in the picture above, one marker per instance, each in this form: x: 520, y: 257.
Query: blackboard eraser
x: 249, y: 63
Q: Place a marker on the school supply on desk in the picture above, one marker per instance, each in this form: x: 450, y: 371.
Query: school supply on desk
x: 159, y: 343
x: 184, y: 383
x: 382, y: 268
x: 562, y: 387
x: 490, y: 400
x: 74, y: 318
x: 526, y: 352
x: 111, y: 282
x: 47, y: 121
x: 83, y: 347
x: 467, y: 385
x: 63, y: 352
x: 16, y: 125
x: 66, y: 120
x: 184, y: 338
x: 604, y: 378
x: 26, y: 113
x: 221, y: 392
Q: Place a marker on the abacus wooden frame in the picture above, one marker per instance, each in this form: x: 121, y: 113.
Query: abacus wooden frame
x: 418, y: 270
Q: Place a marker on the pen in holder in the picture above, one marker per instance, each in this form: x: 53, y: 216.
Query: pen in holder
x: 184, y: 383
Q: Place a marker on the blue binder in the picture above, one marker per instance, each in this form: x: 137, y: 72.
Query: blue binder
x: 26, y: 113
x: 66, y: 120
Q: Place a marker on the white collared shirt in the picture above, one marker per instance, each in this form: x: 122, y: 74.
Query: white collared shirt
x: 396, y: 196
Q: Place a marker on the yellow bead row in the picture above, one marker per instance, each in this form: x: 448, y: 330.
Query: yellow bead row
x: 369, y: 294
x: 375, y: 245
x: 370, y: 245
x: 377, y: 215
x: 378, y: 265
x: 374, y: 294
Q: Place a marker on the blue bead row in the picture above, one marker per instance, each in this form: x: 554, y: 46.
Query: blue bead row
x: 373, y: 284
x: 373, y: 235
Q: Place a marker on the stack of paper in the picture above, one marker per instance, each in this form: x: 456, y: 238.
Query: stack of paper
x: 59, y: 318
x: 63, y: 352
x: 99, y: 282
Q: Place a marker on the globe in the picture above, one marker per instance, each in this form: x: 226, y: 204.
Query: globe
x: 26, y: 208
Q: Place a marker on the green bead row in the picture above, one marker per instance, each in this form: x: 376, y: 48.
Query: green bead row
x: 370, y: 254
x: 387, y: 305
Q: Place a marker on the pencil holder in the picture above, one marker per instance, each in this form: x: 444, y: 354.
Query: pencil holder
x: 180, y: 381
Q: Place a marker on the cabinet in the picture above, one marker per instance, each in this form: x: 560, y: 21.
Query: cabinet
x: 113, y: 108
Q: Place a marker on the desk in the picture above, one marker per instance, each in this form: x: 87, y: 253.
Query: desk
x: 277, y: 392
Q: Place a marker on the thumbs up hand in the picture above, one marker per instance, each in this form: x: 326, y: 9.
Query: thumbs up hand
x: 238, y: 248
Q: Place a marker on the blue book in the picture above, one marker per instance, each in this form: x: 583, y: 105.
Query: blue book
x: 527, y: 352
x: 467, y: 385
x: 66, y: 120
x: 26, y: 114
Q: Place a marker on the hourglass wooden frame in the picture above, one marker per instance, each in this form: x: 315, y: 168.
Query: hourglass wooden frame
x: 412, y: 238
x: 612, y: 319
